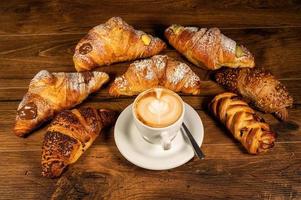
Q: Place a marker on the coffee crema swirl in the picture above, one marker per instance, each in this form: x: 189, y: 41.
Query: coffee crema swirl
x: 158, y: 109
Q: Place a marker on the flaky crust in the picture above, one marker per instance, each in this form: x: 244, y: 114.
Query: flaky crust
x: 50, y: 93
x: 69, y: 135
x: 258, y: 86
x: 160, y: 70
x: 208, y: 48
x: 114, y: 41
x: 241, y: 120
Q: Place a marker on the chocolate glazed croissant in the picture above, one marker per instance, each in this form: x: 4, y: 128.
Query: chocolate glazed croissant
x: 208, y: 47
x: 252, y: 132
x: 160, y: 70
x: 114, y: 41
x: 50, y: 93
x: 69, y: 135
x: 258, y: 86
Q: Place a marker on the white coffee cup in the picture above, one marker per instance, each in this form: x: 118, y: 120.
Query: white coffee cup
x: 159, y: 135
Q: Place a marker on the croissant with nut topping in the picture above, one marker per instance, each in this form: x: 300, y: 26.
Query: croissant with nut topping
x: 208, y: 48
x: 50, y: 93
x: 159, y: 70
x: 69, y: 135
x: 258, y: 86
x: 241, y: 120
x: 114, y: 41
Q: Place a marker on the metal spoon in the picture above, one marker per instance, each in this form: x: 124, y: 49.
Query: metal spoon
x: 195, y: 145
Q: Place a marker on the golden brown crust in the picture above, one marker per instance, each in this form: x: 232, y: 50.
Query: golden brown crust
x: 208, y: 48
x: 114, y: 41
x: 258, y: 86
x: 159, y: 70
x: 50, y: 93
x: 241, y: 120
x: 69, y: 135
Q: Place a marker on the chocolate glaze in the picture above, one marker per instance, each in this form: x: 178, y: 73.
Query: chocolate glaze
x: 85, y: 48
x: 28, y: 111
x: 87, y: 76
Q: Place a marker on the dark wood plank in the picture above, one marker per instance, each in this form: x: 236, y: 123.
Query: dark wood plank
x: 52, y: 17
x: 103, y: 173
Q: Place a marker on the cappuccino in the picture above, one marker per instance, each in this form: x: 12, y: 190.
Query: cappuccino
x: 158, y: 108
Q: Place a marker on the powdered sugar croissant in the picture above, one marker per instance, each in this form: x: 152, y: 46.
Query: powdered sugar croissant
x: 114, y: 41
x: 258, y: 86
x: 50, y: 93
x: 160, y: 70
x: 208, y: 48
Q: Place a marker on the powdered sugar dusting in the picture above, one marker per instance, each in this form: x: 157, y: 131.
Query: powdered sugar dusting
x: 143, y: 65
x: 210, y: 39
x: 149, y: 74
x: 200, y: 38
x: 40, y: 75
x: 139, y: 33
x: 179, y: 73
x: 74, y: 80
x: 192, y: 81
x: 160, y: 62
x: 228, y: 44
x: 121, y: 82
x: 191, y: 28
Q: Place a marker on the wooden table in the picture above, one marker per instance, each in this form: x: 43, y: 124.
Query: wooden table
x: 41, y: 34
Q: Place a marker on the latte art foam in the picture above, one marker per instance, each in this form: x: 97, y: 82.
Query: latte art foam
x: 158, y: 108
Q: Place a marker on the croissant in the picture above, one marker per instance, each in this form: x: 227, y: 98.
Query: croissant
x: 247, y: 127
x: 69, y: 135
x: 208, y: 47
x: 258, y: 86
x: 114, y: 41
x: 159, y: 70
x: 50, y: 93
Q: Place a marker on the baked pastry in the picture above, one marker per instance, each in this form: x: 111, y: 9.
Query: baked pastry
x: 208, y: 48
x: 241, y: 120
x: 159, y: 70
x: 69, y: 135
x: 258, y: 86
x: 114, y: 41
x: 50, y: 93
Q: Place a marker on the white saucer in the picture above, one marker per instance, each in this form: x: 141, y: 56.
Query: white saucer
x: 150, y: 156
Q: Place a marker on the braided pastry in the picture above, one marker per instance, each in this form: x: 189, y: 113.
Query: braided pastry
x: 241, y: 120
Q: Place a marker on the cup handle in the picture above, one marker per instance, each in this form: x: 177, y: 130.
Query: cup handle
x: 165, y: 140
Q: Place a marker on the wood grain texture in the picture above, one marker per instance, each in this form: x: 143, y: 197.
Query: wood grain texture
x: 103, y: 173
x: 42, y: 34
x: 29, y: 17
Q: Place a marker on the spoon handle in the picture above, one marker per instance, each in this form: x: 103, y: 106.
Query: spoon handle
x: 195, y: 145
